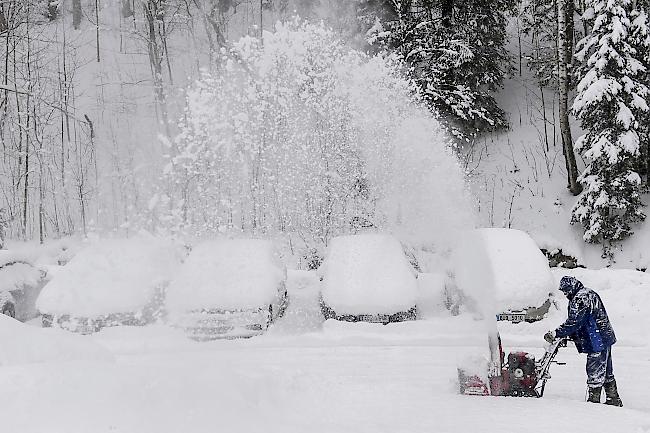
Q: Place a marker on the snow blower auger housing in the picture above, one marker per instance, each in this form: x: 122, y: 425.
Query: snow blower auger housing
x: 520, y: 376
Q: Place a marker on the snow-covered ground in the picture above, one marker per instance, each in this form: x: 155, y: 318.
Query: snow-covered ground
x: 310, y: 375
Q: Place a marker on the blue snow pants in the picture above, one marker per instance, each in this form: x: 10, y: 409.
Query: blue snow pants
x: 599, y: 368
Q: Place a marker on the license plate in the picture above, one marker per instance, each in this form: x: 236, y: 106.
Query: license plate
x: 371, y: 319
x: 214, y: 330
x: 511, y: 317
x: 84, y: 329
x: 212, y: 321
x: 476, y: 390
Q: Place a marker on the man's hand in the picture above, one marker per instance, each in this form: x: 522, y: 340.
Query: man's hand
x: 549, y: 336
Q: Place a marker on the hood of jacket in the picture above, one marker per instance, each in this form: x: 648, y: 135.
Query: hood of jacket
x: 570, y: 286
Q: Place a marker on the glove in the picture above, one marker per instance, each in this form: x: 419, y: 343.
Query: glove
x: 549, y: 336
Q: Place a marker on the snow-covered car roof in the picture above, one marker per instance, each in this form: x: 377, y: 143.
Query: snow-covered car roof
x: 506, y: 262
x: 111, y: 276
x: 7, y: 256
x: 17, y: 271
x: 50, y: 252
x: 367, y: 274
x: 6, y: 297
x: 228, y: 274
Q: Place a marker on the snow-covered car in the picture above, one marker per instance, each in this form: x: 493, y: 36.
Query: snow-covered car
x: 367, y: 277
x: 505, y: 269
x: 20, y: 282
x: 110, y: 282
x: 7, y: 304
x: 228, y: 288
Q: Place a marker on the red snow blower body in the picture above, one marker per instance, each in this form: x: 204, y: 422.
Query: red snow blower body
x: 520, y: 376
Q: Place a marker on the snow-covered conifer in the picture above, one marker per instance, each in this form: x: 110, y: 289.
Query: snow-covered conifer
x: 610, y: 101
x: 456, y: 53
x: 641, y: 43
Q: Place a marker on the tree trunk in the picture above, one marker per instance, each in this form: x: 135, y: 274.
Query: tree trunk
x: 27, y: 136
x: 97, y: 27
x: 65, y: 136
x: 4, y: 27
x: 163, y: 36
x: 127, y: 9
x: 41, y: 187
x: 5, y: 81
x: 52, y: 10
x: 152, y: 15
x: 569, y: 34
x: 563, y: 81
x: 76, y: 14
x: 447, y: 11
x: 261, y: 21
x: 647, y: 164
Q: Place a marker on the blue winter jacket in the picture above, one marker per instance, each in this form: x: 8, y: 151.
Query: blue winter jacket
x: 587, y: 323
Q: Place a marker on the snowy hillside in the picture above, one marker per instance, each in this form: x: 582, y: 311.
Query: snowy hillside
x: 519, y: 176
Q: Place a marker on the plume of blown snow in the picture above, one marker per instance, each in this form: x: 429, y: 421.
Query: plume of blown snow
x: 308, y: 119
x: 422, y: 190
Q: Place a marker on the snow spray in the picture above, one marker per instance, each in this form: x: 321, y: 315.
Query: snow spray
x: 475, y: 278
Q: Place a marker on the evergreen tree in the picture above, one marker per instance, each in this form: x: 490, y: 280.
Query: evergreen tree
x: 611, y: 100
x: 456, y: 53
x: 641, y: 43
x: 539, y: 21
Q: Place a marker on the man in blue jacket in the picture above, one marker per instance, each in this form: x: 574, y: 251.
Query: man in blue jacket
x: 588, y: 326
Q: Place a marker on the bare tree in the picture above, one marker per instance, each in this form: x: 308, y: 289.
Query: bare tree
x: 76, y: 14
x: 127, y: 8
x: 97, y: 27
x: 564, y: 14
x: 154, y: 13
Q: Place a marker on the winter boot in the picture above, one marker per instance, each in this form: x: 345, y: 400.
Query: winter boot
x: 611, y: 394
x: 594, y: 394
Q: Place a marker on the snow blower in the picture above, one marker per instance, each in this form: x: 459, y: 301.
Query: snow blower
x: 520, y: 376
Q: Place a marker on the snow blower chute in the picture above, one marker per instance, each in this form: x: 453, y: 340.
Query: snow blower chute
x: 520, y: 376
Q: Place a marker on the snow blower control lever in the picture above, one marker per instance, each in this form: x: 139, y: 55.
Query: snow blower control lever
x: 520, y: 376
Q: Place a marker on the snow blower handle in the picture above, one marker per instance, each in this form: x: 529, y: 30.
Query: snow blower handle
x: 561, y: 343
x: 554, y: 345
x: 544, y: 364
x: 549, y: 337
